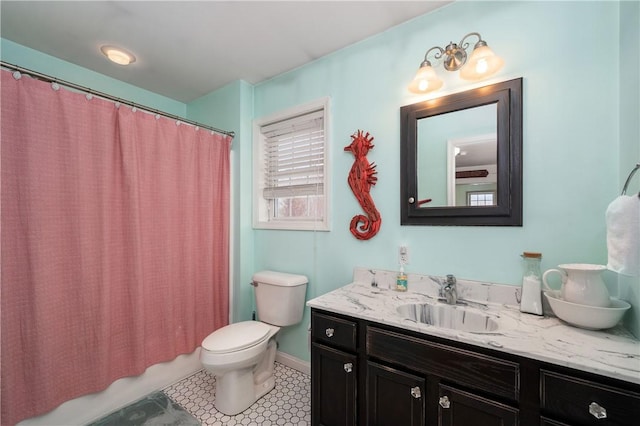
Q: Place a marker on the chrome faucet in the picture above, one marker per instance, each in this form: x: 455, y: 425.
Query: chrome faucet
x: 448, y: 290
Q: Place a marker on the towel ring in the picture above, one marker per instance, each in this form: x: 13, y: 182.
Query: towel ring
x: 626, y: 184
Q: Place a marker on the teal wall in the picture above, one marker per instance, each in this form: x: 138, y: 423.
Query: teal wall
x: 581, y: 138
x: 629, y: 153
x: 568, y: 54
x: 629, y: 149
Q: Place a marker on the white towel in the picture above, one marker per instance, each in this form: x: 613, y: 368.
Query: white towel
x: 623, y: 235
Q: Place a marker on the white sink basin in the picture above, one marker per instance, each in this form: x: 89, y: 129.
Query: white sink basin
x: 449, y: 316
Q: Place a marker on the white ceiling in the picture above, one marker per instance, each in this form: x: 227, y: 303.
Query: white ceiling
x: 186, y: 49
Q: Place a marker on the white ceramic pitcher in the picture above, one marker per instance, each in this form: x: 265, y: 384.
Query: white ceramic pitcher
x: 581, y: 283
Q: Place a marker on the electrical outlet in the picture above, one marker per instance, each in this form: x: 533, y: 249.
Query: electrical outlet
x: 403, y: 255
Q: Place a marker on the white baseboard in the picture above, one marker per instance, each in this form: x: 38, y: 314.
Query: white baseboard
x: 293, y: 362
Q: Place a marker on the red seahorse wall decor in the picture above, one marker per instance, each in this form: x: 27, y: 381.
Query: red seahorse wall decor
x: 361, y: 177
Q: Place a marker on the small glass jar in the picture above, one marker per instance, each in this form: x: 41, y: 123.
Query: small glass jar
x: 531, y: 299
x: 532, y: 264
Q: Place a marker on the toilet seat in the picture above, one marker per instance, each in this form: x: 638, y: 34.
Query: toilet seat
x: 235, y: 337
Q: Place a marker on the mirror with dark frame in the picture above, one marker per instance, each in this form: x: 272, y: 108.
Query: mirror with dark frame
x: 461, y: 158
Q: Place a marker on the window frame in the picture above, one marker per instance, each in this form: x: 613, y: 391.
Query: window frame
x: 485, y: 192
x: 262, y: 217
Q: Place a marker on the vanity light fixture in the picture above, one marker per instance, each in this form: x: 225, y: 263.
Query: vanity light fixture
x: 481, y: 64
x: 117, y: 55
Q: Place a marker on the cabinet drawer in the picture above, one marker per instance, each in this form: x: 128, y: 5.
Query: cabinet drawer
x: 467, y: 368
x: 334, y: 331
x: 569, y: 399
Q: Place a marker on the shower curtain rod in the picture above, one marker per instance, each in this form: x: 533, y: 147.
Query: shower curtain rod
x: 51, y: 79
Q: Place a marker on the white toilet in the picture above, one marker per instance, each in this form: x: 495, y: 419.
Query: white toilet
x: 242, y: 355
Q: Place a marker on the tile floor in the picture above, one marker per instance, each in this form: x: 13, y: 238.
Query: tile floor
x: 288, y: 404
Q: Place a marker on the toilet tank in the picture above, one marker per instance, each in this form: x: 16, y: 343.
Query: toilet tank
x: 280, y: 297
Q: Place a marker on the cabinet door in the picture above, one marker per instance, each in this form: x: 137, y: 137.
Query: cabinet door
x: 333, y: 387
x: 460, y: 408
x: 394, y: 397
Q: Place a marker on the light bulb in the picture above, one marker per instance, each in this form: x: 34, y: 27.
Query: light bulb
x: 426, y: 80
x: 482, y: 63
x: 117, y: 55
x: 481, y: 66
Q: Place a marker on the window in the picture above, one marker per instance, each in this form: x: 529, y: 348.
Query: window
x: 290, y: 169
x: 481, y: 198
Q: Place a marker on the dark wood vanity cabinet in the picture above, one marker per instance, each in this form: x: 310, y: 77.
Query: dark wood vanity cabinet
x: 334, y: 366
x: 401, y: 378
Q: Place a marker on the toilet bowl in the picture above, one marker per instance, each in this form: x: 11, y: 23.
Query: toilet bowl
x: 242, y: 355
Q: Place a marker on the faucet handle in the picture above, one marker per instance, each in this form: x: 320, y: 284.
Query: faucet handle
x: 451, y: 294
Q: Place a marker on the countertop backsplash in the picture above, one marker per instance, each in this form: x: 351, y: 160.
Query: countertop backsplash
x: 477, y: 291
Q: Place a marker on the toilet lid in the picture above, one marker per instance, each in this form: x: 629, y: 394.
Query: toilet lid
x: 235, y: 337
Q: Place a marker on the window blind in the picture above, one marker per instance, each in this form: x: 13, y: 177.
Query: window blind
x: 294, y: 156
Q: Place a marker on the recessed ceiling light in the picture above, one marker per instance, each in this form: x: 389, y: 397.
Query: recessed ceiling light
x: 118, y: 55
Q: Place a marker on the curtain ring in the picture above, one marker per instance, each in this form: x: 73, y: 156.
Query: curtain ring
x: 17, y: 75
x: 55, y: 86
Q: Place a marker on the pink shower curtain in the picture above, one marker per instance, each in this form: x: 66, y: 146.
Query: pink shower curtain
x: 115, y: 229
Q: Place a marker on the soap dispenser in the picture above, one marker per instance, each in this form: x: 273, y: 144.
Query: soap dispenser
x: 531, y: 299
x: 401, y: 280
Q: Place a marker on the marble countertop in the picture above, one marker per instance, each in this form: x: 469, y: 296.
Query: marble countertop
x: 614, y: 353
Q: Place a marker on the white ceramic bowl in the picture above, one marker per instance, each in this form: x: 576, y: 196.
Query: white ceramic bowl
x: 585, y: 316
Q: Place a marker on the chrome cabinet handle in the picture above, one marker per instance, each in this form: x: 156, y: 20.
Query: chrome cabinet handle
x: 348, y: 367
x: 597, y: 411
x: 329, y: 332
x: 411, y: 200
x: 444, y: 402
x: 415, y: 392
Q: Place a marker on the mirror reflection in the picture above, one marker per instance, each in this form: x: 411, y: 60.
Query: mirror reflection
x: 457, y: 158
x: 461, y: 158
